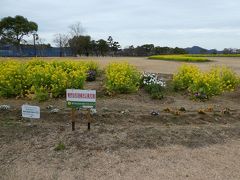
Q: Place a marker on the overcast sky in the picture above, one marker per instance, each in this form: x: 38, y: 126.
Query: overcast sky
x: 182, y: 23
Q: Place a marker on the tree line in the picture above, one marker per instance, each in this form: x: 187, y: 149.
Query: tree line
x: 13, y: 31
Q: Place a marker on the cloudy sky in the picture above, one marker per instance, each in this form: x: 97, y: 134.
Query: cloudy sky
x: 182, y: 23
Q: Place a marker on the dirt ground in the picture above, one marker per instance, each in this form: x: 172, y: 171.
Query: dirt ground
x: 168, y: 67
x: 161, y: 66
x: 125, y: 141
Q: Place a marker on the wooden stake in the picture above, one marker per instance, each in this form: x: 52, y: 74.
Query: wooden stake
x: 88, y: 118
x: 73, y: 119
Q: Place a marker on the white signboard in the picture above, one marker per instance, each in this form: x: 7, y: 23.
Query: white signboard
x: 30, y: 111
x: 77, y: 98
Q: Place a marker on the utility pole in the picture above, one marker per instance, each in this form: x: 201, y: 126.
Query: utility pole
x: 35, y: 37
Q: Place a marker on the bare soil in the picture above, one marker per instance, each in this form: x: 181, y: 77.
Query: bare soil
x: 125, y: 140
x: 167, y: 67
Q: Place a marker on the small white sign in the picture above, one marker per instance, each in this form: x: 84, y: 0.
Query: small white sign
x: 30, y: 111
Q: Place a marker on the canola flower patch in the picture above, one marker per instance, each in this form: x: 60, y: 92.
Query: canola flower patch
x: 122, y: 78
x: 203, y: 85
x: 42, y: 79
x: 186, y: 58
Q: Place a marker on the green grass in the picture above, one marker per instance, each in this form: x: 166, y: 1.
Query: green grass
x: 60, y: 147
x: 185, y: 58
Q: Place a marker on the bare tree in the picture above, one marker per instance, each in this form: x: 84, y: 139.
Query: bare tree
x: 76, y: 29
x: 61, y: 41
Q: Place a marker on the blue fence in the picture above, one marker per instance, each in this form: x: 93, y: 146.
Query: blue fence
x: 31, y: 52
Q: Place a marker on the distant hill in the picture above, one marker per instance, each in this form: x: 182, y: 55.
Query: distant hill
x: 200, y: 50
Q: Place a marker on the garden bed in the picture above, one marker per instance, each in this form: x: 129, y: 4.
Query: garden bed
x: 130, y: 131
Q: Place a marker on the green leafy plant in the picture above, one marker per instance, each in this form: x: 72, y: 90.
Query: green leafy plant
x: 60, y: 147
x: 153, y: 85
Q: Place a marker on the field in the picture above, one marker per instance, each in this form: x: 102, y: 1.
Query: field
x: 185, y: 58
x: 214, y: 55
x: 126, y: 141
x: 167, y: 67
x: 191, y: 57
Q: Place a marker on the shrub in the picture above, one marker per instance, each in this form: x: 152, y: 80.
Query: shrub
x: 206, y: 85
x: 122, y: 78
x: 13, y: 79
x: 42, y: 78
x: 153, y: 85
x: 40, y: 94
x: 185, y: 77
x: 203, y: 85
x: 229, y: 79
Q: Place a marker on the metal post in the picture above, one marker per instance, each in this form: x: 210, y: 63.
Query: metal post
x: 35, y: 37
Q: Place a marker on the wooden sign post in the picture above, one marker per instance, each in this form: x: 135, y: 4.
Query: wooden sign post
x: 73, y: 119
x: 82, y: 99
x: 89, y: 118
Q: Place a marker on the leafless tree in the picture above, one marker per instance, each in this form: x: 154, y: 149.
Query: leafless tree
x: 76, y: 29
x: 61, y: 41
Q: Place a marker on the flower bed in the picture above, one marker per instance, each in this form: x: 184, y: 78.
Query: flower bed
x: 42, y: 79
x: 153, y: 85
x: 203, y: 85
x: 122, y: 78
